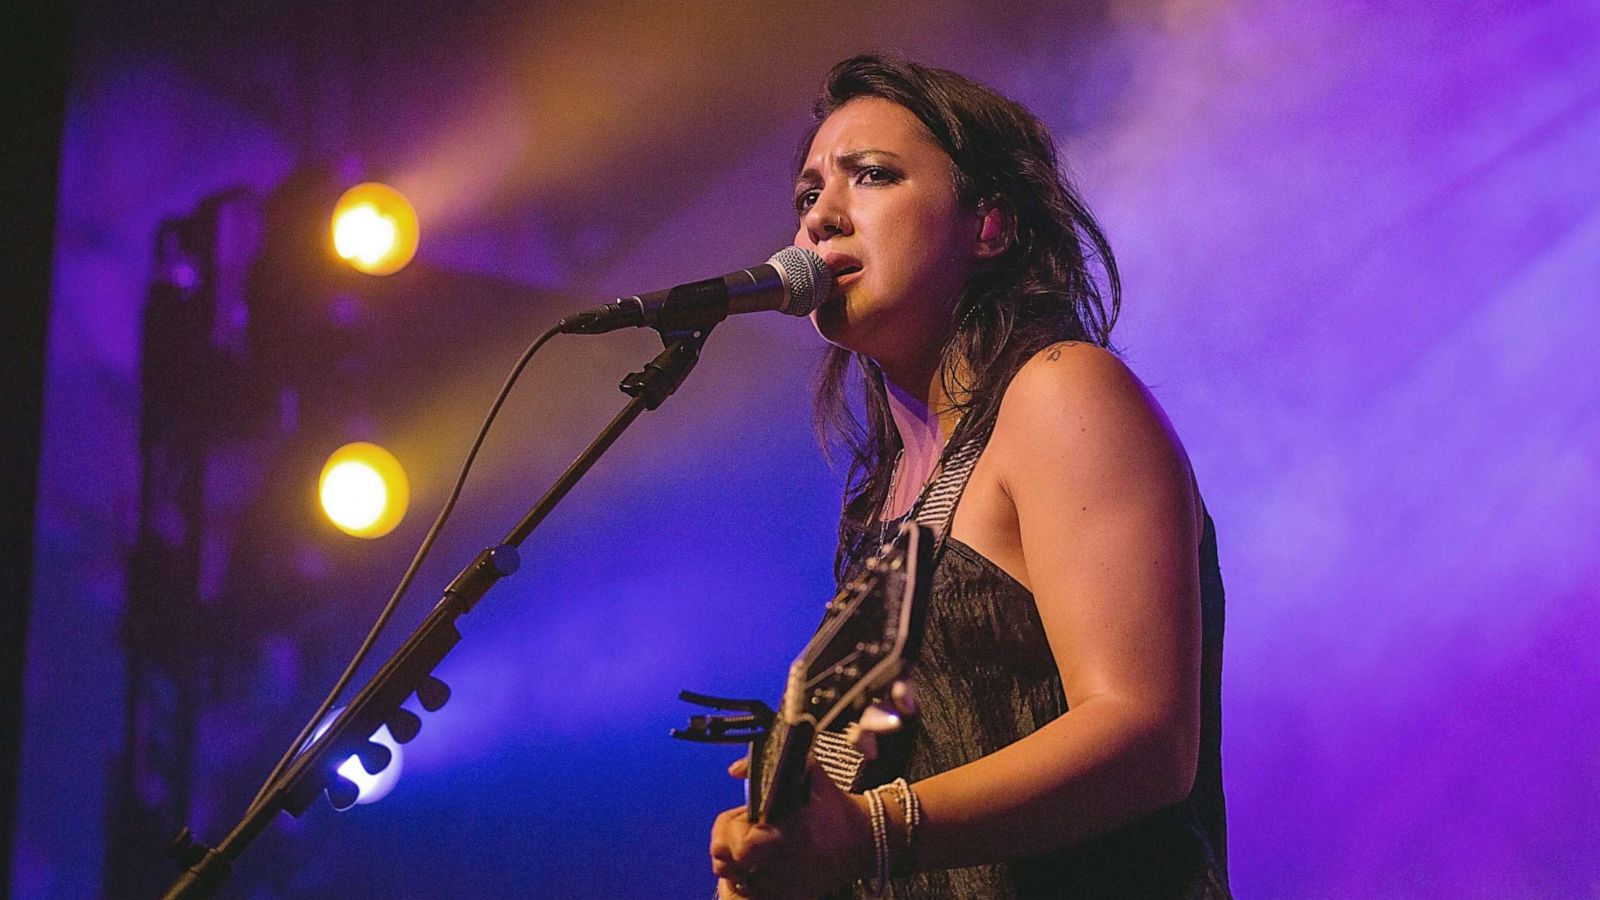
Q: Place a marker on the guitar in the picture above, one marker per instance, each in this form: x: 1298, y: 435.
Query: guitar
x: 858, y: 662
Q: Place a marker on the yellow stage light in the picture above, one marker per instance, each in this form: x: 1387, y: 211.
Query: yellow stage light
x: 375, y: 229
x: 364, y: 490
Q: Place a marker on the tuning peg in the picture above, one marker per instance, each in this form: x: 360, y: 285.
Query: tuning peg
x: 863, y: 740
x: 432, y: 693
x: 880, y: 719
x: 403, y: 725
x: 374, y: 757
x: 875, y: 720
x: 904, y: 696
x: 342, y: 793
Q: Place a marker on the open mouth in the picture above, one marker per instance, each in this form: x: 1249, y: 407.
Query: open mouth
x: 843, y: 277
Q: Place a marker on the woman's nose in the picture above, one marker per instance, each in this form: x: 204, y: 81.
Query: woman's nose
x: 826, y: 218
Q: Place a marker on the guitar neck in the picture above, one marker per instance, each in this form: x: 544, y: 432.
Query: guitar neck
x: 778, y: 761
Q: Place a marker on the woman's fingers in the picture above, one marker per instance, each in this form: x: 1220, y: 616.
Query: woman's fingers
x: 811, y: 852
x: 760, y: 845
x: 725, y: 869
x: 724, y: 831
x: 739, y: 850
x: 740, y: 767
x: 734, y: 839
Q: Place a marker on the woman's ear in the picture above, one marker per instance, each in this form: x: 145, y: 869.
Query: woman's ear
x: 995, y: 227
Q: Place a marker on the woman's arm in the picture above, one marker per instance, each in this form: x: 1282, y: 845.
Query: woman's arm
x: 1108, y: 520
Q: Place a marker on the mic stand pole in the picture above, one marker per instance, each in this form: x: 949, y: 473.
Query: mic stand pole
x: 410, y: 669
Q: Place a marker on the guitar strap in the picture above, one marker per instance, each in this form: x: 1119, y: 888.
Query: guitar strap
x: 935, y: 509
x: 937, y: 506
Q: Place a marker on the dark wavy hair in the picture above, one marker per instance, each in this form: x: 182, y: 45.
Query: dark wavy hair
x: 1042, y: 289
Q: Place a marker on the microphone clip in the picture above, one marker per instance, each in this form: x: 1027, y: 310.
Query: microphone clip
x: 687, y: 308
x: 661, y: 377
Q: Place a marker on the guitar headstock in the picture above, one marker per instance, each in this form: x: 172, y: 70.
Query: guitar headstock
x: 857, y: 662
x: 859, y: 659
x: 871, y: 632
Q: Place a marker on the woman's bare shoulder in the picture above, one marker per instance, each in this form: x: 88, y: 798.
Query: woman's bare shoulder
x: 1074, y: 377
x: 1075, y: 400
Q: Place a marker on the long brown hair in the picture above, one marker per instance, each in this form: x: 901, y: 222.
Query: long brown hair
x: 1040, y: 290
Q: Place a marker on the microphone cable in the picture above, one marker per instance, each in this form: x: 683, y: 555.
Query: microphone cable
x: 301, y: 741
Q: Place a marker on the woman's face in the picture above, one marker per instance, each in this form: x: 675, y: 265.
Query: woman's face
x: 877, y: 202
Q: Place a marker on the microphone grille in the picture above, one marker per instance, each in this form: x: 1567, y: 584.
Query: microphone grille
x: 807, y: 278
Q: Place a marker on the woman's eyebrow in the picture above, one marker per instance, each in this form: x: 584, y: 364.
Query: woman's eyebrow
x: 850, y: 160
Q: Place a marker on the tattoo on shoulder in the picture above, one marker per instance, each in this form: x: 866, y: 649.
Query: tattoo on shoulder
x: 1055, y: 352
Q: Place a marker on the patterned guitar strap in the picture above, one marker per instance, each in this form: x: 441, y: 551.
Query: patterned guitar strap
x: 934, y: 509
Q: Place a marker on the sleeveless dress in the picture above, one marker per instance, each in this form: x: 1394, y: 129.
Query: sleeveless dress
x: 987, y: 678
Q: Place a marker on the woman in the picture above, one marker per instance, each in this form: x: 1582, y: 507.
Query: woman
x: 1069, y: 737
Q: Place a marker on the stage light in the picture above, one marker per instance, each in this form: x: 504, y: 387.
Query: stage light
x: 375, y: 229
x: 371, y: 787
x: 364, y: 491
x: 374, y: 787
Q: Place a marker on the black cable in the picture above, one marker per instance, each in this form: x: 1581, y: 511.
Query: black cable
x: 411, y: 572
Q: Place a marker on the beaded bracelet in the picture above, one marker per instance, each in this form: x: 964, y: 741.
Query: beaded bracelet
x: 878, y: 885
x: 911, y: 806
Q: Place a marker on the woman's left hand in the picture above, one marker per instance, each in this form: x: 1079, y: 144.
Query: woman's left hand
x: 824, y: 844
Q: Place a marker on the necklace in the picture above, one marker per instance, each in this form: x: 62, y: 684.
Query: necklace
x: 884, y: 522
x: 888, y: 503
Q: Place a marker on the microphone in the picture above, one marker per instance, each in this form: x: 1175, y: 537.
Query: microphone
x: 793, y: 281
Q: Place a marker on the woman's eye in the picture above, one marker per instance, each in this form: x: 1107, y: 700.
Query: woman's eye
x: 874, y: 175
x: 803, y: 201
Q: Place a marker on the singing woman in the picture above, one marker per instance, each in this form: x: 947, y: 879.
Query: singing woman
x: 1068, y: 742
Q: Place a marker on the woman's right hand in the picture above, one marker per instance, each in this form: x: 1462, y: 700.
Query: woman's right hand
x: 825, y: 844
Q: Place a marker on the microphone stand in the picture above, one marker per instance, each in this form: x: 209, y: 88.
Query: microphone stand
x: 410, y: 669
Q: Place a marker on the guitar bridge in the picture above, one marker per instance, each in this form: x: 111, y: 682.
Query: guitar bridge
x: 751, y: 722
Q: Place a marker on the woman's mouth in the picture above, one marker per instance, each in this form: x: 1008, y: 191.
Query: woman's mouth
x: 845, y: 276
